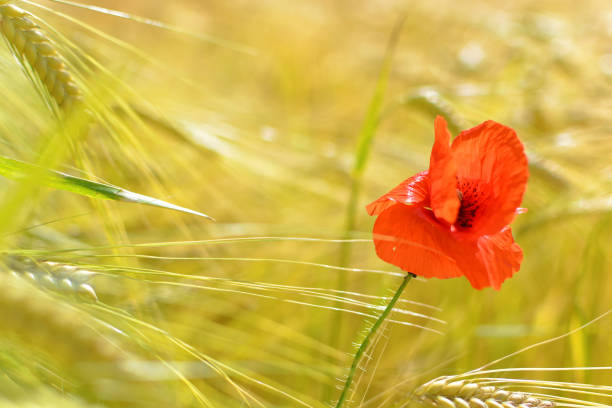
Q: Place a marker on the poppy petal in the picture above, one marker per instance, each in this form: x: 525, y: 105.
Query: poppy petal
x: 500, y: 255
x: 491, y: 157
x: 443, y: 175
x: 413, y: 190
x: 411, y: 238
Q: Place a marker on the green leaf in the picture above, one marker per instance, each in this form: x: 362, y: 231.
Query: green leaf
x: 18, y: 170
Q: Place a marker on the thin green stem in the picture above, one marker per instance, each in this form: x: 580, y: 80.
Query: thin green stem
x: 367, y: 133
x: 366, y: 341
x: 362, y: 152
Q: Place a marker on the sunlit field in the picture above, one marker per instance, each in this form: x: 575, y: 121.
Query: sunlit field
x: 184, y: 189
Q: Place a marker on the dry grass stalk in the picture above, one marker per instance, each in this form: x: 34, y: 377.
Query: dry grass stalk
x: 32, y: 44
x: 445, y: 392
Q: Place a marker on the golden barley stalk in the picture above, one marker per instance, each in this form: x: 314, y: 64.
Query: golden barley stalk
x: 32, y: 44
x: 444, y: 392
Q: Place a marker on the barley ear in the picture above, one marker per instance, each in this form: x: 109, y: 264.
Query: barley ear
x: 38, y: 320
x: 445, y: 392
x: 55, y: 276
x: 30, y: 43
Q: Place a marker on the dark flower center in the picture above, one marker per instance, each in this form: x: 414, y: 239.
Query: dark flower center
x: 471, y: 196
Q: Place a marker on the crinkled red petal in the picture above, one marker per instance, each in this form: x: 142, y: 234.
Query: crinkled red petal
x: 500, y: 255
x: 443, y: 175
x: 411, y: 238
x: 413, y: 190
x: 491, y: 158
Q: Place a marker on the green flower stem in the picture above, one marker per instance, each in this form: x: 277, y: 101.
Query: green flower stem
x: 366, y: 340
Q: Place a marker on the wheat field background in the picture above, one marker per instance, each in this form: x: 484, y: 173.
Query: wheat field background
x: 282, y: 120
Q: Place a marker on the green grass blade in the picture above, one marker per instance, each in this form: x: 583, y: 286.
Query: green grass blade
x: 18, y: 170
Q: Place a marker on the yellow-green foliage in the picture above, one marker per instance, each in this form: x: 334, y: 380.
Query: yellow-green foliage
x: 282, y: 119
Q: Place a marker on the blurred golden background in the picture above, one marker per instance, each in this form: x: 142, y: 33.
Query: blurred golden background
x: 282, y: 120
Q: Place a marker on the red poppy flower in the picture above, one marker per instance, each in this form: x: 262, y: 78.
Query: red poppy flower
x: 452, y: 220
